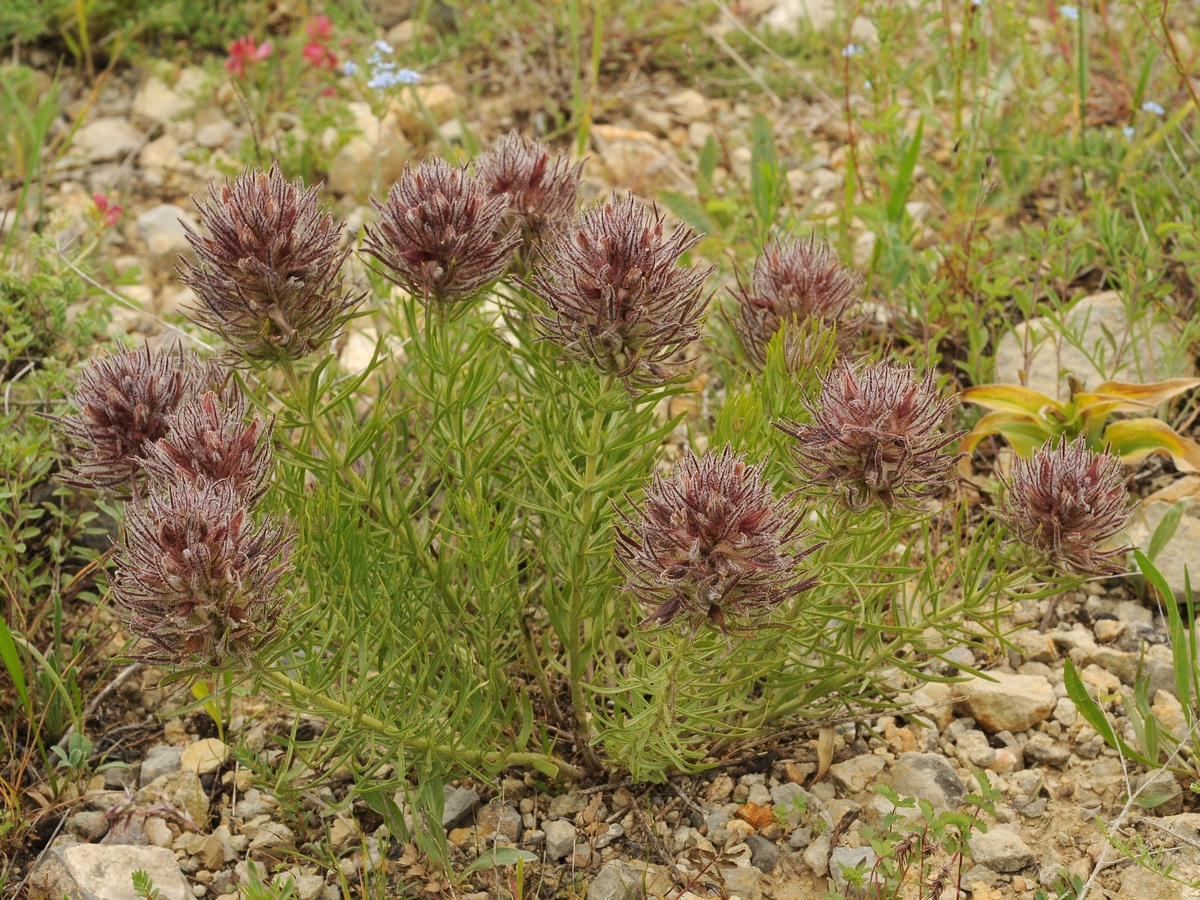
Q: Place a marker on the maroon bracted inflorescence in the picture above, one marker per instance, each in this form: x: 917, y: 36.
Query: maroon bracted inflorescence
x: 268, y: 276
x: 124, y: 404
x: 440, y: 234
x: 711, y: 544
x: 617, y: 294
x: 1064, y: 501
x: 197, y: 577
x: 874, y: 435
x: 796, y: 279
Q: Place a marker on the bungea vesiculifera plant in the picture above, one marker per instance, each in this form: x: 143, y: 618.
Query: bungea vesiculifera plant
x: 471, y: 537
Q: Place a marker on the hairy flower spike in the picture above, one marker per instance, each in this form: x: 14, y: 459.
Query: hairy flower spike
x: 874, y: 437
x: 1063, y: 502
x: 796, y: 279
x: 269, y: 275
x: 209, y: 439
x: 618, y: 295
x: 439, y: 235
x: 712, y: 541
x: 124, y: 404
x: 541, y: 190
x: 196, y: 577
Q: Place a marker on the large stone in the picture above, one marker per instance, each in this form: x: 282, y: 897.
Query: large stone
x: 160, y: 760
x: 161, y: 228
x: 457, y: 805
x: 743, y: 881
x: 634, y: 160
x: 105, y: 872
x: 1001, y: 849
x: 927, y: 776
x: 1009, y: 702
x: 372, y: 159
x: 789, y: 15
x: 1093, y: 323
x: 1182, y: 552
x: 615, y: 881
x: 157, y: 102
x: 857, y: 773
x: 107, y: 138
x: 205, y: 756
x: 180, y: 789
x: 1142, y: 884
x: 560, y: 838
x: 420, y: 109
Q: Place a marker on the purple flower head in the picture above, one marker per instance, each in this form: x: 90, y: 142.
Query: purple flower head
x: 208, y: 439
x: 439, y: 234
x: 796, y: 279
x: 124, y: 404
x: 197, y: 578
x: 874, y: 435
x: 268, y: 277
x: 1063, y: 502
x: 616, y: 293
x: 710, y: 543
x: 541, y: 189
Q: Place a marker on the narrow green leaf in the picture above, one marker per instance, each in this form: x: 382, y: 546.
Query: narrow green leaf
x: 1087, y: 707
x: 500, y: 856
x: 904, y: 177
x: 1165, y: 530
x: 12, y: 662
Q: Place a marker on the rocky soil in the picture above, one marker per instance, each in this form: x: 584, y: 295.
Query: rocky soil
x: 759, y: 825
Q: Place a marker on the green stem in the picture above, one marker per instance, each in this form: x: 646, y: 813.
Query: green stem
x: 543, y: 762
x: 319, y: 431
x: 576, y: 639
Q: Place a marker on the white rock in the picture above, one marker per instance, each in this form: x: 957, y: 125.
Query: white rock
x: 856, y: 773
x: 689, y: 104
x: 104, y: 872
x: 1150, y: 350
x: 1182, y: 552
x: 162, y: 231
x: 161, y: 154
x: 156, y: 102
x: 634, y: 160
x: 107, y: 138
x: 1000, y: 849
x: 214, y: 134
x: 205, y: 757
x: 371, y: 160
x: 788, y: 15
x: 560, y: 838
x: 1009, y: 702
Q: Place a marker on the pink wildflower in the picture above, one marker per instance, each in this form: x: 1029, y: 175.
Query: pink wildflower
x: 319, y: 28
x: 245, y: 50
x: 110, y: 213
x: 319, y: 56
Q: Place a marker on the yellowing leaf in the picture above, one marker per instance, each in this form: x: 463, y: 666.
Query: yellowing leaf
x: 1023, y: 432
x: 1011, y: 398
x: 1135, y: 439
x: 1137, y: 397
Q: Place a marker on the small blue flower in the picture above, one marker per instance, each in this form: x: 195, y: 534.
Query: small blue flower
x: 977, y: 2
x: 1069, y: 12
x: 851, y: 50
x: 384, y: 47
x: 1151, y: 107
x: 381, y: 81
x: 350, y: 67
x: 383, y: 66
x: 867, y: 84
x: 1128, y: 131
x: 408, y: 76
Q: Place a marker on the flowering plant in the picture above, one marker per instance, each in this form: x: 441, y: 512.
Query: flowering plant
x: 419, y: 545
